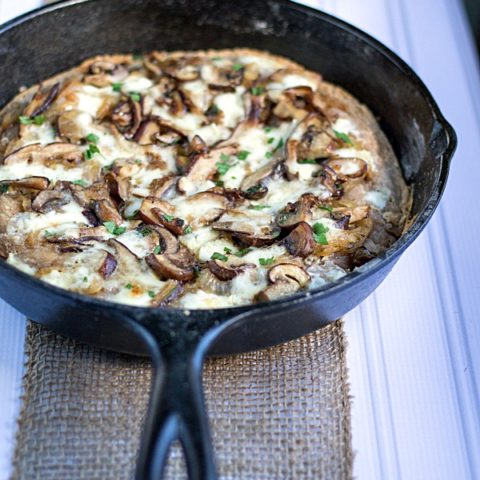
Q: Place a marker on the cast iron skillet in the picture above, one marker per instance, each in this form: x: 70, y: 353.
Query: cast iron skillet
x: 51, y: 39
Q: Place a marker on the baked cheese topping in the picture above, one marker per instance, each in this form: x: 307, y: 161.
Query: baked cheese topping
x: 194, y: 180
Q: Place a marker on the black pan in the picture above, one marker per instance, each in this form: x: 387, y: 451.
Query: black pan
x: 49, y: 40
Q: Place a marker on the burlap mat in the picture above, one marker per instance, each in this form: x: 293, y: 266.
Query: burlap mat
x: 281, y: 413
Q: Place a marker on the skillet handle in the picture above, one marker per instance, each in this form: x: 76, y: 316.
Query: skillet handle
x: 177, y: 409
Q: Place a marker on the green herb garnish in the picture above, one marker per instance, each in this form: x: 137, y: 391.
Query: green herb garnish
x: 91, y: 150
x: 237, y: 66
x: 219, y: 256
x: 128, y: 286
x: 224, y: 165
x: 279, y: 145
x: 311, y: 161
x: 257, y: 90
x: 187, y: 230
x: 117, y: 86
x: 151, y: 294
x: 270, y: 140
x: 267, y: 129
x: 92, y: 138
x: 243, y: 251
x: 319, y: 233
x: 343, y: 137
x: 242, y: 154
x: 258, y: 207
x: 85, y: 279
x: 227, y: 250
x: 266, y: 261
x: 168, y: 218
x: 135, y: 96
x: 219, y: 183
x: 328, y: 208
x: 80, y: 182
x: 158, y: 250
x: 268, y: 155
x: 4, y: 187
x: 113, y: 229
x: 217, y: 59
x: 144, y: 232
x: 37, y: 120
x: 137, y: 56
x: 48, y: 234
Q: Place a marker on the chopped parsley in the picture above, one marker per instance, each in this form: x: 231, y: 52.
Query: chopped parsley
x: 319, y: 233
x: 343, y: 137
x: 270, y: 140
x: 243, y: 251
x: 91, y: 150
x: 137, y: 56
x: 227, y: 250
x: 80, y: 182
x: 267, y: 129
x: 242, y: 154
x: 128, y: 286
x: 279, y: 145
x: 135, y: 96
x: 85, y: 279
x: 117, y: 86
x: 48, y: 234
x: 144, y: 232
x: 92, y: 138
x: 151, y: 294
x: 4, y: 187
x: 224, y: 165
x: 266, y: 261
x: 213, y: 110
x: 219, y: 256
x: 113, y: 229
x: 237, y: 66
x: 187, y: 230
x: 168, y: 218
x: 37, y: 120
x: 311, y: 161
x: 257, y: 90
x: 258, y: 207
x: 158, y: 250
x: 219, y: 183
x: 253, y: 190
x: 268, y: 155
x: 328, y: 208
x: 217, y: 59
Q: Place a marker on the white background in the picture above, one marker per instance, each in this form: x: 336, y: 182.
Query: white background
x: 413, y: 352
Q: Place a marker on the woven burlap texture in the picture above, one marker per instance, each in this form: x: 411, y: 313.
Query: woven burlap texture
x: 280, y: 413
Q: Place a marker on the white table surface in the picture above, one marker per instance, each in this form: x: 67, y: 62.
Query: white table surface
x: 413, y: 353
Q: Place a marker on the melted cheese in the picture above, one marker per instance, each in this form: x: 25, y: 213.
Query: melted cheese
x: 259, y: 145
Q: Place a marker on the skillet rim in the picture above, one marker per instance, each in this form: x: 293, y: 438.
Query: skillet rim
x: 440, y: 125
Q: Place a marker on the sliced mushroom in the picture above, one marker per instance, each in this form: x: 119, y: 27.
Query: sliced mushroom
x: 108, y: 266
x: 252, y: 185
x: 225, y: 79
x: 119, y: 187
x: 229, y: 269
x: 48, y: 200
x: 254, y: 230
x: 329, y: 179
x: 69, y: 125
x: 300, y: 242
x: 178, y: 266
x: 205, y: 207
x: 10, y: 205
x: 285, y: 278
x: 127, y: 262
x: 347, y: 168
x: 106, y: 212
x: 295, y: 213
x: 161, y: 187
x: 170, y: 291
x: 103, y: 73
x: 175, y: 225
x: 149, y: 204
x: 127, y: 117
x: 54, y: 153
x: 181, y: 69
x: 42, y: 100
x: 26, y: 184
x: 202, y: 167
